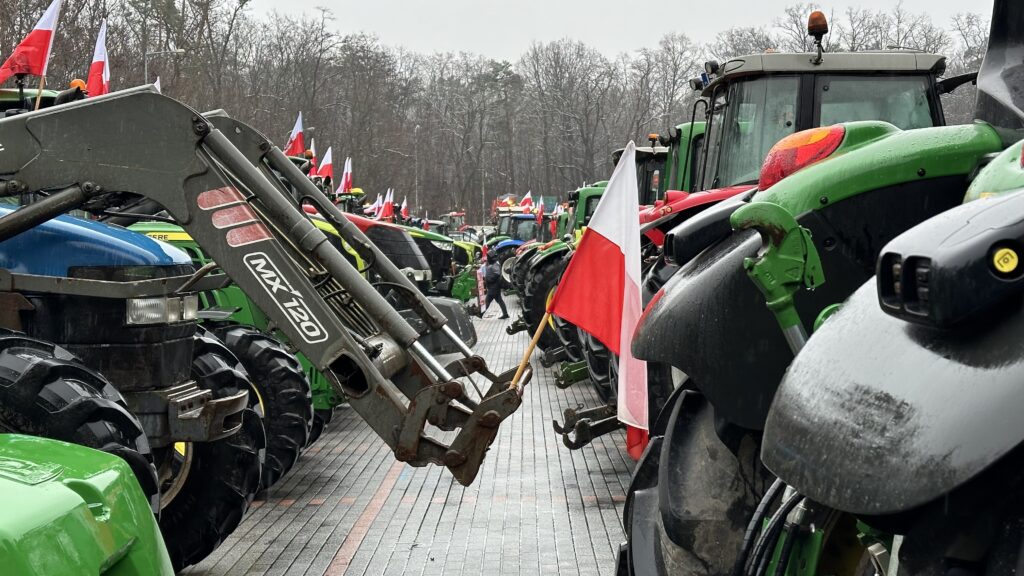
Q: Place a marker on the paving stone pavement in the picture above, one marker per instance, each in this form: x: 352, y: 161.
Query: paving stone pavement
x: 536, y: 507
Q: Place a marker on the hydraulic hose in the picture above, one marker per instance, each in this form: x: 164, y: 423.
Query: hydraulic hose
x: 771, y: 532
x: 752, y: 528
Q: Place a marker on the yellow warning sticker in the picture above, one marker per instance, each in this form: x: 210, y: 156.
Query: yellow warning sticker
x: 1005, y: 260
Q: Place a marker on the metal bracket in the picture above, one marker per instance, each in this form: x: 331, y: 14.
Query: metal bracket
x: 553, y: 355
x: 517, y: 326
x: 569, y: 373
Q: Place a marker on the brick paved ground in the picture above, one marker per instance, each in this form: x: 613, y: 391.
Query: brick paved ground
x: 536, y: 508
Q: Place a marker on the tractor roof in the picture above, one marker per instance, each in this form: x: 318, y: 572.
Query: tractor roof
x: 882, y: 62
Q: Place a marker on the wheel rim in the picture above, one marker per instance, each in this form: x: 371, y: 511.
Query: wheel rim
x: 176, y: 466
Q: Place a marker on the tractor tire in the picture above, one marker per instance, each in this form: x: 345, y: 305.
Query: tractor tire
x: 283, y: 395
x: 46, y: 391
x: 521, y: 270
x: 541, y: 279
x: 321, y: 418
x: 211, y: 484
x: 598, y: 367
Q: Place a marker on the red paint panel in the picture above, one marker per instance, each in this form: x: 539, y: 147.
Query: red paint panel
x: 237, y: 214
x: 248, y: 235
x: 218, y: 197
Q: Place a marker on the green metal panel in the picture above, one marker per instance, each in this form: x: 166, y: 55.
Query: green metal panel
x: 1004, y: 174
x: 875, y: 155
x: 73, y: 510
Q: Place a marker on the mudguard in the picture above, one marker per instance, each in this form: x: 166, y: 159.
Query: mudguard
x: 852, y: 205
x: 508, y: 243
x: 878, y: 416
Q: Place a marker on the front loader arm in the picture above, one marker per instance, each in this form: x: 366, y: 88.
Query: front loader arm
x: 140, y: 142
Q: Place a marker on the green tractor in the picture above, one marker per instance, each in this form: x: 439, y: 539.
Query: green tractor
x: 453, y: 263
x: 136, y: 304
x: 851, y: 188
x: 70, y: 509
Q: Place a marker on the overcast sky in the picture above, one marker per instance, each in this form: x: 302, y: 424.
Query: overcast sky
x: 503, y: 29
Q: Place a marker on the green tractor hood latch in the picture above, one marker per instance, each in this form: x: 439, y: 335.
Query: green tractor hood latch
x: 787, y: 260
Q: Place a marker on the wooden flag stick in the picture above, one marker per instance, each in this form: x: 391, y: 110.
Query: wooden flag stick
x: 39, y: 95
x: 529, y: 350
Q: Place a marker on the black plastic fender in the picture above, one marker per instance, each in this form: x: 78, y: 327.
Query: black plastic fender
x: 711, y: 322
x: 878, y: 416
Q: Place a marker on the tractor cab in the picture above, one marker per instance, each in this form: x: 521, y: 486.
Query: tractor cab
x: 650, y: 169
x: 757, y: 100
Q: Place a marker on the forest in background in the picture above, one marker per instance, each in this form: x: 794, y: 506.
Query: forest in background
x: 451, y: 129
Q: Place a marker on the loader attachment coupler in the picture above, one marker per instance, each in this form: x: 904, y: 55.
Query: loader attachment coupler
x: 224, y: 186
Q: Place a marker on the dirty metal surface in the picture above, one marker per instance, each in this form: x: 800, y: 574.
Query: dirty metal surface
x: 348, y: 508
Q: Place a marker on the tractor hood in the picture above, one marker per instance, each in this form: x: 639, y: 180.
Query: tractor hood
x: 877, y: 415
x: 66, y: 242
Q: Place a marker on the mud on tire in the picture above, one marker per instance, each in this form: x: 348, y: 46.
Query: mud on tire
x: 284, y: 395
x: 46, y: 391
x: 208, y: 486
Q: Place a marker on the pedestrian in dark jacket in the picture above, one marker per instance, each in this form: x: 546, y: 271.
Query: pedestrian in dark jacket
x: 492, y: 279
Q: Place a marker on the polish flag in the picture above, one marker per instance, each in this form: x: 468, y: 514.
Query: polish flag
x: 296, y: 146
x: 346, y: 178
x: 540, y: 211
x: 387, y: 211
x: 32, y: 55
x: 99, y: 71
x: 426, y: 220
x: 312, y: 161
x: 373, y: 208
x: 326, y: 169
x: 609, y: 256
x: 526, y: 201
x: 405, y: 207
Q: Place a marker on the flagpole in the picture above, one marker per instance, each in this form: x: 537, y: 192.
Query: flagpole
x: 39, y: 95
x: 529, y: 351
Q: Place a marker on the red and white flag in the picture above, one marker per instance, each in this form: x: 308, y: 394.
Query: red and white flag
x: 527, y: 200
x: 426, y: 220
x: 346, y: 178
x: 387, y: 211
x: 609, y: 256
x: 326, y: 169
x: 312, y: 161
x: 98, y: 83
x: 32, y: 55
x: 373, y: 209
x: 540, y: 211
x: 405, y: 207
x: 296, y: 145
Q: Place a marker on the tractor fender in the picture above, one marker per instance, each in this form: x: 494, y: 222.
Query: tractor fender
x: 898, y: 414
x: 558, y: 251
x: 731, y: 344
x: 506, y: 244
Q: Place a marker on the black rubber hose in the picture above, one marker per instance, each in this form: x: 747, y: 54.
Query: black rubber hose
x: 771, y: 531
x: 752, y: 528
x: 789, y: 533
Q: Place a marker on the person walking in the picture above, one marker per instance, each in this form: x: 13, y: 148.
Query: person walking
x: 492, y: 279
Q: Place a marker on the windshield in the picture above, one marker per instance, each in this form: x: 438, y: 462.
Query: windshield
x: 900, y: 100
x: 589, y: 208
x: 748, y: 118
x: 504, y: 226
x: 648, y: 176
x: 526, y: 229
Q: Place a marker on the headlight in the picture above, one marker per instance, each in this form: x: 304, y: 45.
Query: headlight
x: 170, y: 310
x: 446, y: 246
